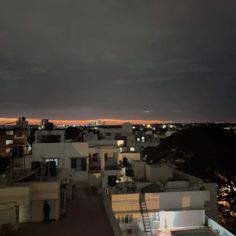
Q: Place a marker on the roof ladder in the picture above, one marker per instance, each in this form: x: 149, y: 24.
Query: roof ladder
x: 146, y: 221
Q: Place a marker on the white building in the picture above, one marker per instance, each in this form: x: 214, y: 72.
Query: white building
x: 166, y: 200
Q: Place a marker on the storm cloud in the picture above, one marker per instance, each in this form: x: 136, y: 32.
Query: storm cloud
x: 88, y: 59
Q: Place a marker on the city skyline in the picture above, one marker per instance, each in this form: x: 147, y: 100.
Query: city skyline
x: 120, y: 60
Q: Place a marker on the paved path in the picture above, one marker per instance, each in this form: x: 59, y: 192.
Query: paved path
x: 85, y: 216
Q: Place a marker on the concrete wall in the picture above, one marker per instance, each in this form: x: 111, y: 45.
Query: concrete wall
x: 63, y: 151
x: 180, y: 219
x: 37, y: 210
x: 176, y: 200
x: 29, y: 202
x: 111, y: 216
x: 218, y: 228
x: 8, y: 214
x: 80, y: 179
x: 160, y: 173
x: 17, y: 195
x: 139, y: 169
x: 94, y: 180
x: 125, y: 202
x: 211, y: 205
x: 102, y: 142
x: 40, y: 133
x: 131, y: 156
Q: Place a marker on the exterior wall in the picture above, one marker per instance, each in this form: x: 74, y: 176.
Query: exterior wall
x: 176, y: 200
x: 218, y: 228
x: 182, y: 219
x: 130, y: 141
x: 160, y: 173
x: 122, y: 203
x: 29, y: 202
x: 63, y: 151
x: 8, y: 214
x: 102, y: 142
x: 139, y: 169
x: 6, y: 149
x: 37, y: 210
x: 16, y: 195
x: 60, y: 133
x: 80, y: 179
x: 124, y: 130
x: 111, y: 152
x: 94, y: 180
x: 131, y: 156
x: 211, y: 205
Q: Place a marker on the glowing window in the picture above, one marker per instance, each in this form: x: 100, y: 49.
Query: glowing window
x: 186, y: 202
x: 120, y: 143
x: 9, y: 141
x: 56, y: 160
x: 9, y: 132
x: 132, y: 149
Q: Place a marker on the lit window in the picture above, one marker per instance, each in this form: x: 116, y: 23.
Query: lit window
x: 120, y: 143
x: 138, y: 139
x: 56, y: 160
x: 186, y: 202
x: 9, y: 141
x: 9, y: 132
x: 132, y: 149
x: 8, y: 150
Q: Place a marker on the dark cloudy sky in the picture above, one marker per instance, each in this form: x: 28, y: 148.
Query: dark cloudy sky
x: 127, y: 59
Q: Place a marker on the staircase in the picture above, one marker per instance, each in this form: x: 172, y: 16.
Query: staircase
x: 146, y: 220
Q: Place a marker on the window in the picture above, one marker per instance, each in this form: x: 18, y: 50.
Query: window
x: 124, y: 218
x: 186, y: 202
x: 132, y: 149
x: 95, y: 157
x: 106, y: 156
x: 9, y: 132
x: 156, y: 216
x: 108, y: 134
x: 56, y: 160
x: 120, y: 143
x: 9, y: 141
x: 8, y: 150
x: 78, y: 164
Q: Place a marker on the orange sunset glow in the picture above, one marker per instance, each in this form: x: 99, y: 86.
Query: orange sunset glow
x: 6, y: 121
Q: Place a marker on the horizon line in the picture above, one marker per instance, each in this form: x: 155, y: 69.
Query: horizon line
x: 108, y: 121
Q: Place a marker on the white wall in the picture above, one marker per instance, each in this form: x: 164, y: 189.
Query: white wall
x: 30, y: 199
x: 218, y: 228
x: 63, y: 151
x: 176, y: 200
x: 180, y: 219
